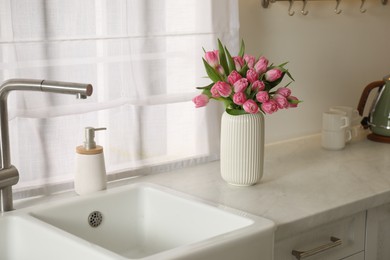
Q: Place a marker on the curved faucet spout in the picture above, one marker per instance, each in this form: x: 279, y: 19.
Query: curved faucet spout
x: 8, y: 174
x: 45, y: 86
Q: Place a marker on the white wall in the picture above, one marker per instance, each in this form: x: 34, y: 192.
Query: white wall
x: 332, y: 57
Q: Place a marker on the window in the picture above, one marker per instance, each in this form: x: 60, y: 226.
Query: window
x: 143, y: 58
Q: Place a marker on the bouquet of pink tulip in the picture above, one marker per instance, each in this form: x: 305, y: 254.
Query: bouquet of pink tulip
x: 244, y: 84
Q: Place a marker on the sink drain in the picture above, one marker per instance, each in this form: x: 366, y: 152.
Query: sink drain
x: 95, y: 219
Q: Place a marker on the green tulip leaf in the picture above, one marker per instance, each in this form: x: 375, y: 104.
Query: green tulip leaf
x: 236, y: 112
x: 242, y: 49
x: 222, y: 56
x: 206, y: 87
x: 213, y: 75
x: 289, y: 75
x: 207, y: 92
x: 231, y: 64
x: 283, y: 64
x: 244, y: 70
x: 294, y: 101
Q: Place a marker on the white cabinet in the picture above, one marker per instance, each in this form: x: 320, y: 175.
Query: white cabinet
x: 342, y: 239
x: 378, y: 233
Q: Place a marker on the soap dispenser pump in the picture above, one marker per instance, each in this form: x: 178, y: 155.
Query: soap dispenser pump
x: 90, y: 175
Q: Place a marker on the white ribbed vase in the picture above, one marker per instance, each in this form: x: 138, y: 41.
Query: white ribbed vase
x: 242, y: 148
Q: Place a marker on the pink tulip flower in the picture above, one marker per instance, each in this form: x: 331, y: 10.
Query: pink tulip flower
x: 239, y: 62
x: 273, y: 74
x: 270, y: 106
x: 262, y: 96
x: 214, y: 92
x: 261, y: 65
x: 251, y: 75
x: 258, y: 86
x: 220, y: 70
x: 250, y: 107
x: 250, y: 60
x: 281, y: 101
x: 200, y: 100
x: 221, y: 89
x: 240, y: 85
x: 239, y: 98
x: 292, y: 98
x: 212, y: 58
x: 284, y: 91
x: 233, y: 77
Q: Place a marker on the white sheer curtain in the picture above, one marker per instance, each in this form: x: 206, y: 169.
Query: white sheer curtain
x: 143, y: 58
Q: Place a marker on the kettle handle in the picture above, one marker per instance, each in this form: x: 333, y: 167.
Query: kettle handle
x: 366, y: 92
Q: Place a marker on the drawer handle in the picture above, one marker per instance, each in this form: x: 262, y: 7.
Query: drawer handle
x: 303, y: 254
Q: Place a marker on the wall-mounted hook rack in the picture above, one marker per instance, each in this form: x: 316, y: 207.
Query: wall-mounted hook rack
x: 304, y: 11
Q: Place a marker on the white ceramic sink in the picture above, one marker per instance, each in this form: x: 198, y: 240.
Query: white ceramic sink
x: 144, y: 221
x: 23, y: 238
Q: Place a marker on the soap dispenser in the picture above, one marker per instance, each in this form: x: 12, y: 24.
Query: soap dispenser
x: 90, y: 175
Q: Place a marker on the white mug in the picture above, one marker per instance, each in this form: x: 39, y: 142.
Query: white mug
x: 334, y: 121
x: 351, y: 113
x: 335, y: 140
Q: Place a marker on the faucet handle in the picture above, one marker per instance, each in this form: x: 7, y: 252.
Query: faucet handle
x: 89, y: 142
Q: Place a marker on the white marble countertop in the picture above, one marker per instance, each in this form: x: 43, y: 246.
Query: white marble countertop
x: 303, y: 185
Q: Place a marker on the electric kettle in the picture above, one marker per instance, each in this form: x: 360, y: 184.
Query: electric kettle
x: 378, y: 119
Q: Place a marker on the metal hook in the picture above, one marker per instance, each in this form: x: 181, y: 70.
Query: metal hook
x: 337, y: 10
x: 290, y: 7
x: 304, y: 12
x: 363, y: 10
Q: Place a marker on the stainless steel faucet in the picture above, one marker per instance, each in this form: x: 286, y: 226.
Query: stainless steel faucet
x: 9, y: 175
